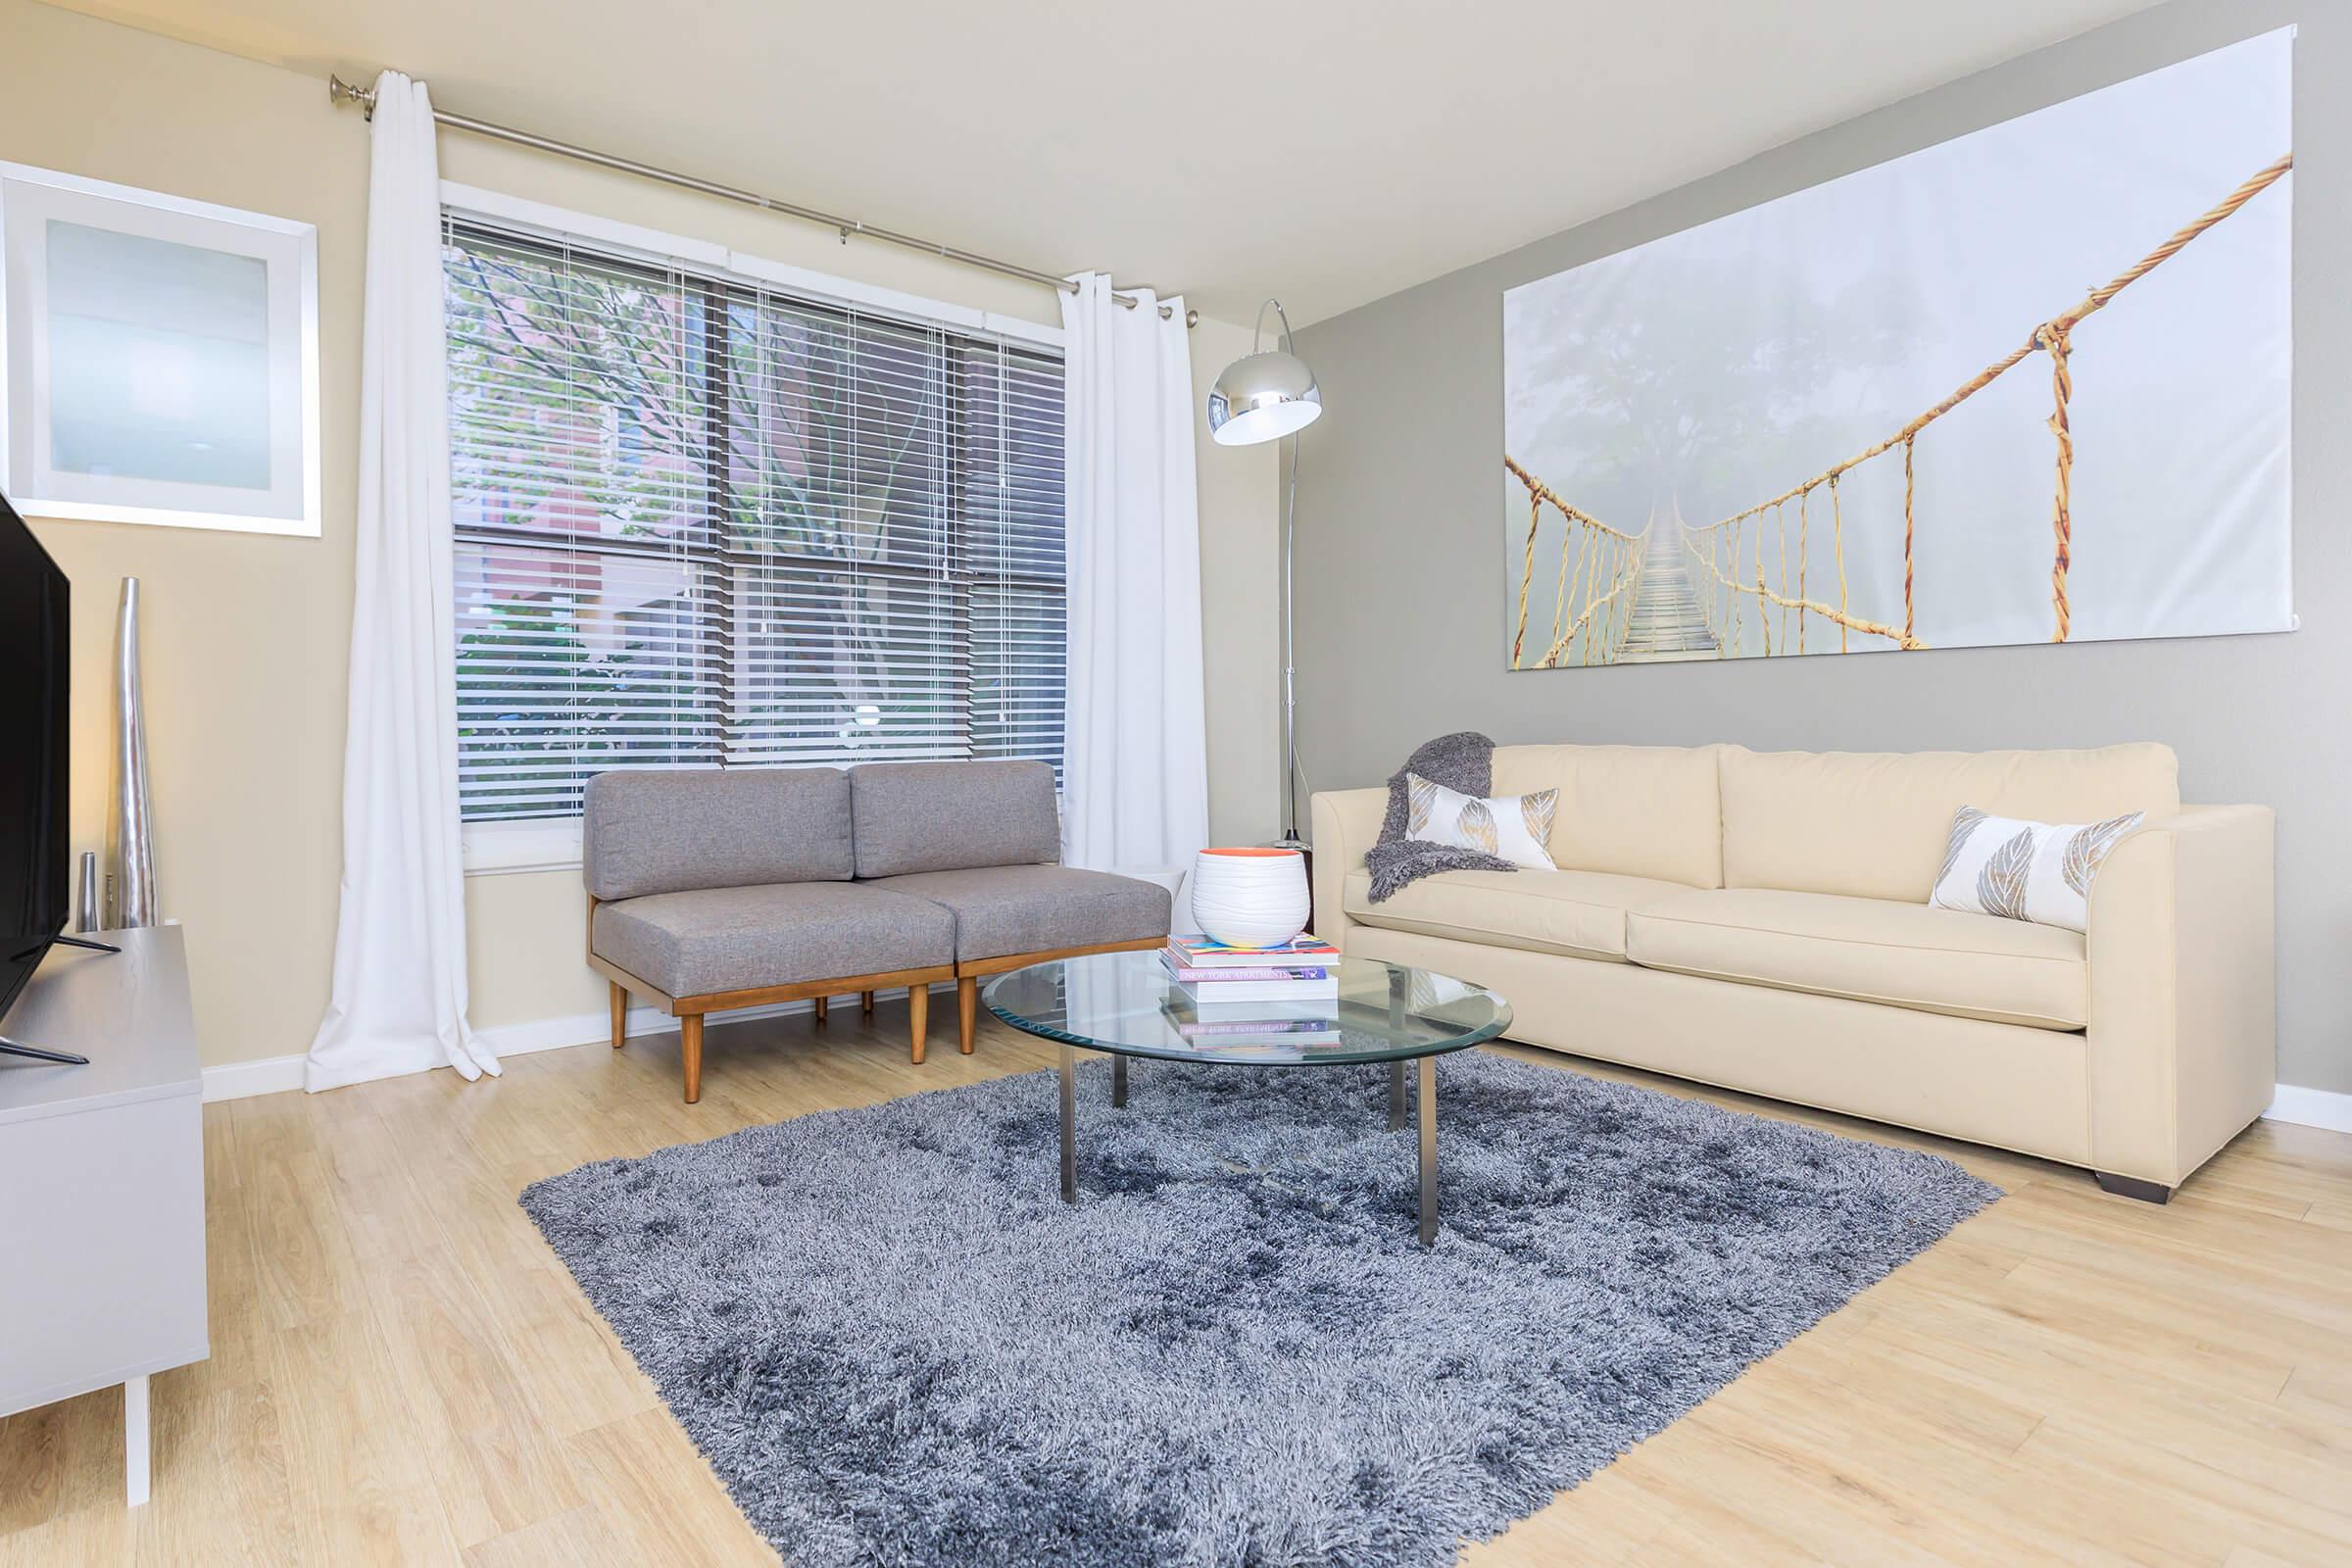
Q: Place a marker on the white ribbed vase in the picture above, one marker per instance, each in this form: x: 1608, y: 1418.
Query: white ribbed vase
x: 1249, y: 897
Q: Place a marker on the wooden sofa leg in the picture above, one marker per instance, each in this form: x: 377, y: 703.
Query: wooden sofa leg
x: 866, y: 1002
x: 919, y: 1015
x: 690, y: 1038
x: 620, y: 1014
x: 967, y: 1012
x: 816, y: 1004
x: 2146, y: 1192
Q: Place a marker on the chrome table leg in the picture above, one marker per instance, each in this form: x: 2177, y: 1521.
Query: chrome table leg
x: 1429, y: 1150
x: 1118, y: 1081
x: 1396, y: 1096
x: 1069, y: 1127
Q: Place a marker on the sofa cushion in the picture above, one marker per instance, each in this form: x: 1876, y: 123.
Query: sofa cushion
x: 676, y: 829
x: 1870, y: 950
x: 1005, y: 910
x: 740, y: 939
x: 1581, y: 914
x: 951, y: 816
x: 1874, y: 825
x: 1630, y: 811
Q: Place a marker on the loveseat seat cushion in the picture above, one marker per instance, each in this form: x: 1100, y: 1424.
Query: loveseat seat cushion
x: 953, y: 816
x: 676, y: 829
x: 1004, y: 910
x: 741, y: 939
x: 1870, y: 950
x: 1581, y: 914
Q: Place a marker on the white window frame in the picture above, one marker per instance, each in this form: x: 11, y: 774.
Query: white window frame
x: 655, y: 248
x: 553, y: 844
x: 535, y: 843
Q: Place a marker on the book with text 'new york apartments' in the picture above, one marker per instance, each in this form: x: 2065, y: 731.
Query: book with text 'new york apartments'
x: 1189, y: 974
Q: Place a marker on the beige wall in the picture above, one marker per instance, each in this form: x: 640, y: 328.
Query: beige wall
x: 1401, y: 584
x: 247, y: 638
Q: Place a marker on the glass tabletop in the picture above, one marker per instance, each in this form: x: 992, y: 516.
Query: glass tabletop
x: 1129, y: 1003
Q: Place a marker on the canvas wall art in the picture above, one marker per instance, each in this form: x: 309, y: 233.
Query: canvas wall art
x: 2029, y: 385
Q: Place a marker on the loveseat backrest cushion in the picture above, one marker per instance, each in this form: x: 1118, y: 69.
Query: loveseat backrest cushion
x: 1631, y: 810
x: 952, y: 816
x: 1874, y: 825
x: 680, y: 830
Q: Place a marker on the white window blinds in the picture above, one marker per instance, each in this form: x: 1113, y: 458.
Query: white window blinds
x: 702, y: 522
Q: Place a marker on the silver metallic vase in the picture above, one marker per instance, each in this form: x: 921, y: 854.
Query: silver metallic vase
x: 130, y: 816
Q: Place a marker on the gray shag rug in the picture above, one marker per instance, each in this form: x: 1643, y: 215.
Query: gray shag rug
x: 896, y: 1346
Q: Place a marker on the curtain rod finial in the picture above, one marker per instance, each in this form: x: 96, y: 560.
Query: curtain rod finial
x: 340, y: 92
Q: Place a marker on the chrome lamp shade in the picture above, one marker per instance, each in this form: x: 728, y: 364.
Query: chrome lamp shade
x: 1264, y: 397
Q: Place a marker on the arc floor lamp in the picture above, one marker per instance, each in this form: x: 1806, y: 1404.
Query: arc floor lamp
x: 1264, y: 397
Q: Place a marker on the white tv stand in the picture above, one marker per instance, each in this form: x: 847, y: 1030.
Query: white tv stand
x: 102, y: 1183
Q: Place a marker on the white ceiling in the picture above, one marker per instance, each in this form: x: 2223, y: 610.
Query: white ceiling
x: 1332, y: 151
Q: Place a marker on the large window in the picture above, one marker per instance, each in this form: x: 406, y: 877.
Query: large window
x: 701, y: 522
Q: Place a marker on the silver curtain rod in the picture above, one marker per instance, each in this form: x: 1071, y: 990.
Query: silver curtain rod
x: 340, y: 92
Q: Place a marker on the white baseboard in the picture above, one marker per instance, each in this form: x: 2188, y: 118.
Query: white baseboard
x: 241, y: 1080
x: 2312, y: 1107
x: 271, y: 1075
x: 589, y: 1028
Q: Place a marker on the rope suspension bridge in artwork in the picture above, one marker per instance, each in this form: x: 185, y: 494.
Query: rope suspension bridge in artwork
x: 1696, y: 591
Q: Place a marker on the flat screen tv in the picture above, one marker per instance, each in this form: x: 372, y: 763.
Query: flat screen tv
x: 35, y: 878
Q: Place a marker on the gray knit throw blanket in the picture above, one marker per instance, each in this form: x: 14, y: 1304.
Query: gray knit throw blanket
x: 1463, y: 763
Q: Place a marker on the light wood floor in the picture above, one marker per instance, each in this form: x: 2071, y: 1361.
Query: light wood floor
x: 402, y: 1372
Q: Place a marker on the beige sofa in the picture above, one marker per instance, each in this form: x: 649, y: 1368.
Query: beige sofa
x: 1759, y: 920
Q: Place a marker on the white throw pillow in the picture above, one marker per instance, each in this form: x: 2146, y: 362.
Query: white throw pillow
x: 1516, y: 827
x: 2037, y: 871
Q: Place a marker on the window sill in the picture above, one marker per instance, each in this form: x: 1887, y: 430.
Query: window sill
x: 505, y: 848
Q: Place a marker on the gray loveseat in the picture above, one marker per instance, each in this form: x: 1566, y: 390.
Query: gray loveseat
x: 714, y: 889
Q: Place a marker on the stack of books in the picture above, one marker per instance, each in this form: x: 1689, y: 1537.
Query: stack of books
x: 1288, y: 992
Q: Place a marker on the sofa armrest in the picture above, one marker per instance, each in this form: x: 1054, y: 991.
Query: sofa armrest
x: 1343, y: 824
x: 2183, y: 990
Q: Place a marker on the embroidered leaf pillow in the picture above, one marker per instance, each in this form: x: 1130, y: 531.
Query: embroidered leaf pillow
x: 1515, y: 827
x: 2037, y: 871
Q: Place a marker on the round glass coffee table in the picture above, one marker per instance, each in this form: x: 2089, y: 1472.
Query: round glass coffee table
x: 1128, y: 1004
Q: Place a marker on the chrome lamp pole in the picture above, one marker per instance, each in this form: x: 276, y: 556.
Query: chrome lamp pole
x: 1262, y: 397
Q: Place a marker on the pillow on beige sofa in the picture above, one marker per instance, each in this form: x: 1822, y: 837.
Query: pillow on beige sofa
x: 2037, y: 871
x: 1515, y: 827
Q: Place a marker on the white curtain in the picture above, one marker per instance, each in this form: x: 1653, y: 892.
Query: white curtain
x: 1137, y: 775
x: 399, y: 999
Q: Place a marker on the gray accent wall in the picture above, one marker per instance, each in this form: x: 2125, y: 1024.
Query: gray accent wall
x: 1401, y: 584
